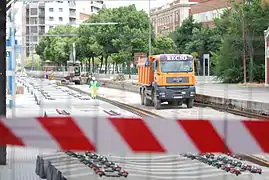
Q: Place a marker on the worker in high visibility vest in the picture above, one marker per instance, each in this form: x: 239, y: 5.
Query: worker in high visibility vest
x: 94, y: 86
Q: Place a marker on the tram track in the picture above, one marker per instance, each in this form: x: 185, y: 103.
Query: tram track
x: 228, y: 109
x: 145, y: 113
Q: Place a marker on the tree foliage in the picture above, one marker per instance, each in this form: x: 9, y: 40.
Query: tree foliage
x: 56, y: 48
x: 164, y: 45
x: 229, y: 59
x: 118, y: 43
x: 193, y: 37
x: 130, y: 35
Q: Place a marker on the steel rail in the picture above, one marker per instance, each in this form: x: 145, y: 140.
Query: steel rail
x: 132, y: 109
x: 226, y: 108
x: 146, y: 113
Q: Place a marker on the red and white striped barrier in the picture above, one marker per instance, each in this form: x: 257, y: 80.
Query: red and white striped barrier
x: 125, y: 135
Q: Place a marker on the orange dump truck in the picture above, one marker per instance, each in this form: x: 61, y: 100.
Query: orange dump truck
x: 167, y: 78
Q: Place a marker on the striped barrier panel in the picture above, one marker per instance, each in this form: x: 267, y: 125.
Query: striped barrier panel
x: 135, y: 135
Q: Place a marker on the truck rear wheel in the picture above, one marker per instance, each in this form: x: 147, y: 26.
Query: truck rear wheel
x: 147, y: 102
x: 142, y: 97
x: 156, y: 101
x: 189, y: 103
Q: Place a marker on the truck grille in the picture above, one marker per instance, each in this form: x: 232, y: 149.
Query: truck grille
x: 177, y: 80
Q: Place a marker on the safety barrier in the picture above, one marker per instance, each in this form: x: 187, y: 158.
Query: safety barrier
x: 123, y: 135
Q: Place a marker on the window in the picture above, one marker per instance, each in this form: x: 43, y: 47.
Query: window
x: 34, y: 29
x: 41, y: 20
x: 60, y: 9
x: 33, y: 11
x: 206, y: 18
x: 176, y: 66
x: 33, y: 20
x: 51, y: 27
x: 176, y: 16
x: 51, y: 18
x: 42, y: 30
x: 50, y: 9
x: 35, y: 38
x: 60, y: 18
x: 202, y: 17
x: 215, y: 15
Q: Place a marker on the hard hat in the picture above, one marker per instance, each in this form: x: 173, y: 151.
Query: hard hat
x: 93, y: 78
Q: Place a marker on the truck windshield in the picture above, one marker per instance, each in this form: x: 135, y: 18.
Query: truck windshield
x: 176, y: 66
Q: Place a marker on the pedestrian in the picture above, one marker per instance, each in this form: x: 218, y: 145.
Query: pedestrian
x: 94, y: 86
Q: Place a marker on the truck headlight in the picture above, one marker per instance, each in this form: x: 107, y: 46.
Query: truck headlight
x: 162, y: 94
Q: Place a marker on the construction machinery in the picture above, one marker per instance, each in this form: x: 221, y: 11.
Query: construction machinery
x: 167, y: 78
x: 74, y: 72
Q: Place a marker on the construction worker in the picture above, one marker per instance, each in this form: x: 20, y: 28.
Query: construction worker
x: 94, y: 86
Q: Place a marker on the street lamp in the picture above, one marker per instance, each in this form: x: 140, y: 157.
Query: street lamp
x: 266, y: 44
x: 244, y: 50
x: 150, y: 30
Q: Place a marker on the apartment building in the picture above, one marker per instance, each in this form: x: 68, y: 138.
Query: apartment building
x: 166, y: 18
x: 207, y: 10
x: 87, y: 8
x: 41, y: 15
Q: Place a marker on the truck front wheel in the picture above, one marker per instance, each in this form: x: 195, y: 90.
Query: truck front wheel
x: 142, y: 97
x: 189, y: 103
x: 156, y: 101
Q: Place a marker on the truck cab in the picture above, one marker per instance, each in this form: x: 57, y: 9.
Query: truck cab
x: 167, y: 78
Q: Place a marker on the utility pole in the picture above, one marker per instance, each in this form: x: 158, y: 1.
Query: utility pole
x: 74, y: 52
x: 31, y: 40
x: 150, y: 29
x: 3, y: 152
x: 244, y: 46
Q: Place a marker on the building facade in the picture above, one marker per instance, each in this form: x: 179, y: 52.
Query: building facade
x: 40, y: 16
x: 207, y: 10
x: 87, y: 8
x: 166, y: 18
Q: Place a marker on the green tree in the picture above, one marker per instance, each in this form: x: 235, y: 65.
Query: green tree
x: 57, y: 48
x: 203, y: 41
x: 129, y: 36
x: 164, y: 45
x: 34, y: 62
x: 87, y: 46
x: 228, y: 60
x: 183, y: 34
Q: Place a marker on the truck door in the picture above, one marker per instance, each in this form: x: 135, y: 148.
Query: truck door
x: 156, y: 71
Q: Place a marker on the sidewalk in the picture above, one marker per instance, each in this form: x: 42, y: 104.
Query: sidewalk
x: 233, y: 91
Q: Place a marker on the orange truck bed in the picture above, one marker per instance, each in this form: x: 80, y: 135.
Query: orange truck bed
x: 145, y: 73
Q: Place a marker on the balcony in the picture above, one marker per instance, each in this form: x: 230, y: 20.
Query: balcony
x: 72, y: 21
x: 41, y: 5
x: 72, y: 14
x: 41, y: 20
x: 40, y: 33
x: 41, y: 13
